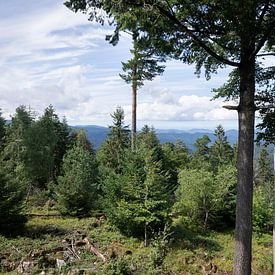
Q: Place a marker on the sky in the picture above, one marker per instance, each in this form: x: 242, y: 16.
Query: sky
x: 50, y: 55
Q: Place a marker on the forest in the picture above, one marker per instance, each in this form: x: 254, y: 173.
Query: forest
x: 155, y: 209
x: 135, y: 205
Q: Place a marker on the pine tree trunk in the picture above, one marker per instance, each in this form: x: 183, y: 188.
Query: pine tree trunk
x: 246, y: 113
x: 134, y: 117
x: 274, y: 210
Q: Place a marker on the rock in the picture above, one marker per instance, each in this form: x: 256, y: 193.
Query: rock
x: 60, y: 263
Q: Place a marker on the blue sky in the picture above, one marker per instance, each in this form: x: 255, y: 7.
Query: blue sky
x: 49, y: 55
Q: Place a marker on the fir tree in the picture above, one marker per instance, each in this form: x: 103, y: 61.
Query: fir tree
x: 112, y: 151
x: 77, y: 187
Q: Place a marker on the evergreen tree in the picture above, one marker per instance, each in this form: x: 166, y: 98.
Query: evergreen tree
x: 200, y: 158
x: 15, y: 150
x: 47, y: 143
x: 221, y: 152
x: 112, y: 151
x: 77, y: 187
x: 12, y: 193
x: 264, y: 168
x: 142, y: 66
x: 2, y: 130
x: 137, y: 201
x: 210, y: 34
x: 176, y: 158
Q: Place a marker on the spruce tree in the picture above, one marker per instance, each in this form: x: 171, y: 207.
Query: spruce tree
x: 12, y: 193
x: 77, y: 187
x: 137, y: 201
x: 221, y: 152
x: 112, y: 151
x: 142, y: 66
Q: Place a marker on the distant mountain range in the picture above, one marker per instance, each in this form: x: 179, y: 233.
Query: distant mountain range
x: 97, y: 134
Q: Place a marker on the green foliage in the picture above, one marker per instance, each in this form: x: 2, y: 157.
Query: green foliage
x: 262, y: 210
x: 12, y: 195
x: 47, y: 143
x: 111, y: 154
x: 176, y: 157
x: 221, y: 152
x: 142, y: 66
x: 200, y: 158
x: 264, y: 168
x: 2, y: 130
x: 77, y: 188
x: 137, y: 201
x: 203, y: 197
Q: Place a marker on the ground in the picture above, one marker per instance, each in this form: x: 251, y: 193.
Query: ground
x: 64, y: 245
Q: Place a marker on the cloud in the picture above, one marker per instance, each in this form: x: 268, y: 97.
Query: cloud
x: 49, y: 55
x: 185, y: 108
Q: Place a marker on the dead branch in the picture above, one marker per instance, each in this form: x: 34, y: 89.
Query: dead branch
x: 94, y: 250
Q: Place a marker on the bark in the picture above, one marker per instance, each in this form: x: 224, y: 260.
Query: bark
x: 274, y: 211
x: 145, y: 235
x: 246, y: 113
x: 94, y: 250
x: 134, y: 117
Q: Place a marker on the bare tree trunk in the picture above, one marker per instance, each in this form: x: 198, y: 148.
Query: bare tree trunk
x: 205, y: 221
x: 274, y: 211
x: 246, y: 112
x: 134, y: 116
x: 145, y: 235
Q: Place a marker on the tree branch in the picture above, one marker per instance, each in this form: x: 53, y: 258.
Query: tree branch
x: 231, y: 107
x: 265, y: 54
x: 196, y: 39
x: 264, y: 38
x: 263, y: 13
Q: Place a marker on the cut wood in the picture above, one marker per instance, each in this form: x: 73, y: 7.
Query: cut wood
x: 94, y: 250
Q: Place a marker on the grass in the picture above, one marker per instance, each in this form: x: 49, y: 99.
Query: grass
x: 46, y: 239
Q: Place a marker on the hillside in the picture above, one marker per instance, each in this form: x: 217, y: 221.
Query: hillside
x: 97, y: 134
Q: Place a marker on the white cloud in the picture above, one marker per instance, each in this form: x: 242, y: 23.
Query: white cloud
x: 49, y: 55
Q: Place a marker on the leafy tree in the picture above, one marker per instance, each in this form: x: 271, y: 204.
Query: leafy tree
x: 210, y: 34
x: 205, y: 198
x: 77, y: 187
x: 263, y: 210
x: 142, y: 66
x: 112, y: 151
x: 221, y: 152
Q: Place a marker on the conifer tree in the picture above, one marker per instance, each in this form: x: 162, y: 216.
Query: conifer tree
x: 12, y: 194
x: 142, y: 66
x: 137, y: 201
x: 112, y: 151
x: 264, y: 164
x: 211, y: 34
x: 200, y: 158
x: 47, y: 143
x: 221, y: 152
x: 2, y: 130
x: 77, y: 187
